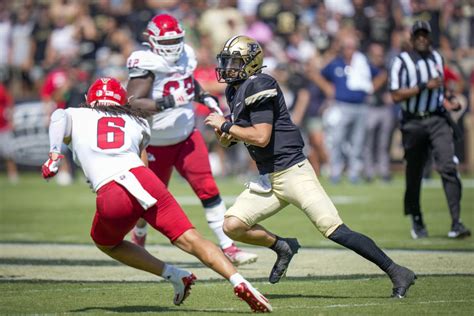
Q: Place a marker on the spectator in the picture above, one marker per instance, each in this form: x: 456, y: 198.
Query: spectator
x: 20, y: 52
x: 381, y: 24
x: 63, y: 41
x: 6, y: 135
x: 5, y: 33
x: 39, y: 40
x: 379, y: 124
x: 347, y: 79
x: 221, y: 22
x: 307, y: 114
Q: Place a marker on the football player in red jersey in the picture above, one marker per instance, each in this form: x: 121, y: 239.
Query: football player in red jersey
x: 161, y: 80
x: 108, y: 140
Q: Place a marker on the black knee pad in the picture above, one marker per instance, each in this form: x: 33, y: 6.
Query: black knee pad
x: 210, y: 202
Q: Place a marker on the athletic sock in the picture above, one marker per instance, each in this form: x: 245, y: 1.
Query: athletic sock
x: 278, y: 245
x: 140, y: 231
x: 169, y: 272
x: 215, y: 220
x: 362, y: 245
x: 235, y: 279
x: 418, y: 219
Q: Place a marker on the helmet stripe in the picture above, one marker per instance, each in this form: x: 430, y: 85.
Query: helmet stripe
x: 229, y: 42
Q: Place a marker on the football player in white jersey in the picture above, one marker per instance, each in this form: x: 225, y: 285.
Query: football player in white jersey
x: 161, y: 80
x: 108, y: 139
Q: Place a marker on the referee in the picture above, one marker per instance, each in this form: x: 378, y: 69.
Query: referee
x: 416, y: 82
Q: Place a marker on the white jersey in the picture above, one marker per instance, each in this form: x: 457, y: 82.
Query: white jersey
x: 176, y: 124
x: 106, y: 145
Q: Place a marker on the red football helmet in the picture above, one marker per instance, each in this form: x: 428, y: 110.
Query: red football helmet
x: 165, y: 37
x: 106, y: 91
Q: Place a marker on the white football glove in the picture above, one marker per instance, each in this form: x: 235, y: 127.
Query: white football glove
x: 50, y: 168
x: 211, y: 103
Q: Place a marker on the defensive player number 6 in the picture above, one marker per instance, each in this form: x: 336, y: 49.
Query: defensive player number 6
x: 109, y: 132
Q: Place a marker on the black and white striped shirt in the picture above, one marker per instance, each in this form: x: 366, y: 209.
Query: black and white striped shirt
x: 408, y: 69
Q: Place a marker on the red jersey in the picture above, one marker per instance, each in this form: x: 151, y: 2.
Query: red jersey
x: 55, y: 80
x: 6, y: 104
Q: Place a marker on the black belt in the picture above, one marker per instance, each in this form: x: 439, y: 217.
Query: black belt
x: 420, y: 115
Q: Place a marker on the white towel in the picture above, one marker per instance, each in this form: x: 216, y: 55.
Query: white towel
x: 130, y: 182
x: 359, y: 77
x: 262, y: 185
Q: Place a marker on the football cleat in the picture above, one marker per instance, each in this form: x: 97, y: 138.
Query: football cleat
x: 138, y: 240
x: 402, y: 278
x: 284, y: 256
x: 239, y: 257
x: 459, y: 231
x: 257, y: 302
x: 182, y: 286
x: 418, y: 231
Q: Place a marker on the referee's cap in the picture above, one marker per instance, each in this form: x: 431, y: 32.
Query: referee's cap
x: 420, y: 25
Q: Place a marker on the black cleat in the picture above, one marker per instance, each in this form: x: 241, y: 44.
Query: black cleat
x: 459, y: 231
x: 285, y: 248
x: 402, y: 278
x: 418, y: 231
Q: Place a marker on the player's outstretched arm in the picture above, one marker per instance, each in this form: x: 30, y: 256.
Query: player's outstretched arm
x: 206, y: 98
x: 59, y: 131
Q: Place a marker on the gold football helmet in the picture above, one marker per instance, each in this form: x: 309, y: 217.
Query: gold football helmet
x: 240, y: 58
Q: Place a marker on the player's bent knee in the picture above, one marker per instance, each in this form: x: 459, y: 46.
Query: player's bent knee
x: 327, y: 225
x: 105, y: 249
x: 234, y: 227
x: 188, y: 240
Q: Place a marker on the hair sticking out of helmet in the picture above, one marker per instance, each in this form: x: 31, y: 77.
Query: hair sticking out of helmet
x: 240, y: 58
x: 165, y: 37
x: 106, y: 92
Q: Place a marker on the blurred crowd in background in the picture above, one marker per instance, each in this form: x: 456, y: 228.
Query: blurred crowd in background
x: 52, y: 50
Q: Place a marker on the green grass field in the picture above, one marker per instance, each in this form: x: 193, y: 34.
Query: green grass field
x: 324, y: 280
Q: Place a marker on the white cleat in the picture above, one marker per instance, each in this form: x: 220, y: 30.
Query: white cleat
x: 239, y: 257
x: 182, y: 286
x: 257, y: 302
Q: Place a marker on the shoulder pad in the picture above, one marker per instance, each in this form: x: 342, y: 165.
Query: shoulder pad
x: 189, y: 58
x: 259, y: 88
x: 140, y: 62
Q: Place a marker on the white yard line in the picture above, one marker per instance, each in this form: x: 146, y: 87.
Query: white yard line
x: 388, y: 303
x: 86, y: 263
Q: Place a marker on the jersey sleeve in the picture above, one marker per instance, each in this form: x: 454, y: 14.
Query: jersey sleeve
x: 60, y: 127
x: 394, y: 80
x: 138, y: 64
x: 259, y: 96
x: 259, y: 90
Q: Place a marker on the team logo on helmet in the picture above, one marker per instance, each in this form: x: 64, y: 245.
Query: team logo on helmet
x: 165, y: 37
x: 106, y: 92
x: 240, y: 58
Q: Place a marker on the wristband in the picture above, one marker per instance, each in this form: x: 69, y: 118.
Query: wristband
x: 225, y: 127
x: 164, y: 103
x: 421, y: 86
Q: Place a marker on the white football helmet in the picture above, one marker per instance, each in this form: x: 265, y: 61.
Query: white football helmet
x: 165, y: 37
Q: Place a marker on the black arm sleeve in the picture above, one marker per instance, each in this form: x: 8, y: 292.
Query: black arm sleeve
x: 200, y: 94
